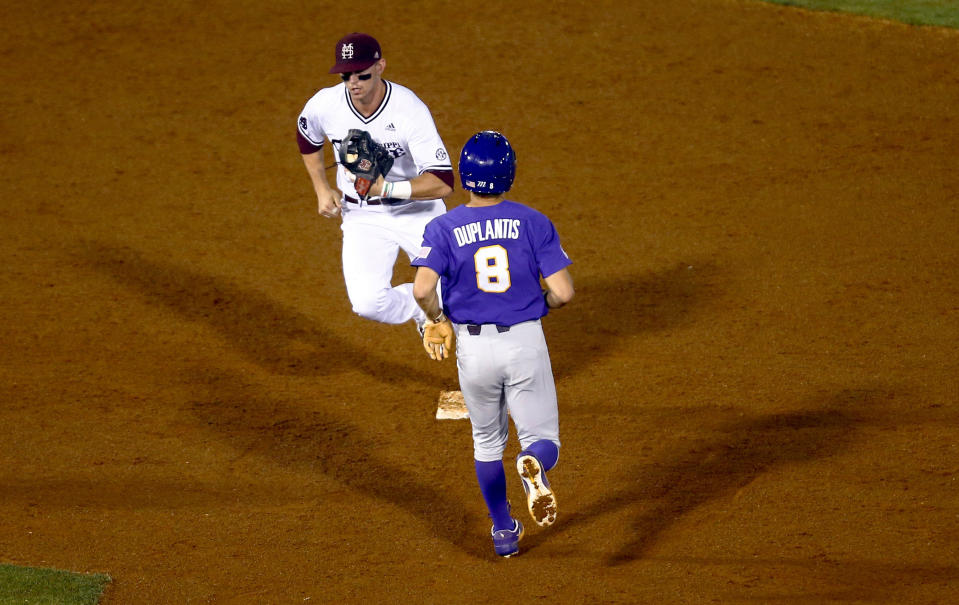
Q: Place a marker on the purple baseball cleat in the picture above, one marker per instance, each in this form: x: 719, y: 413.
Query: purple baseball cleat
x: 506, y: 541
x: 539, y: 497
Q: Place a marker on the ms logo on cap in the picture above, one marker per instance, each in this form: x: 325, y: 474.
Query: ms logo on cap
x: 347, y: 51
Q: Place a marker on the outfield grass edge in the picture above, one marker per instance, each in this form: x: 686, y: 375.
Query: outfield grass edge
x: 918, y: 13
x: 39, y: 585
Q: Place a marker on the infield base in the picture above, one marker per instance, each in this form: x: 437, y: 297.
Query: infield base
x: 451, y: 406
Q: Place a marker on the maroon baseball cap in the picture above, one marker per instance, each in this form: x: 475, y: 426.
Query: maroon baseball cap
x: 356, y: 52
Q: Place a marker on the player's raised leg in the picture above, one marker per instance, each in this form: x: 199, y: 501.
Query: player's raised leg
x: 531, y: 395
x: 369, y: 253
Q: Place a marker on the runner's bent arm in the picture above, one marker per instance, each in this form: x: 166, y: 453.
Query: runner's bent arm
x: 559, y: 289
x: 424, y: 291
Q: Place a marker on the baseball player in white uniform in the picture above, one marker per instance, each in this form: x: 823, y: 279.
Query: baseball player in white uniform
x: 399, y: 206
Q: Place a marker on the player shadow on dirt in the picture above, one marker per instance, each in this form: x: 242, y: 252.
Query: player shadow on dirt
x: 312, y: 440
x: 240, y: 413
x: 604, y: 312
x: 276, y: 337
x: 689, y: 477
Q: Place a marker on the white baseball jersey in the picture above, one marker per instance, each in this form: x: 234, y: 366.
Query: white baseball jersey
x: 403, y: 124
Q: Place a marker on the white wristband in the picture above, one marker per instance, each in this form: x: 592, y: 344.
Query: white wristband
x: 398, y: 190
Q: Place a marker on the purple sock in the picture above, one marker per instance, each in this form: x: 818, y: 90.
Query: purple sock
x: 492, y: 482
x: 546, y: 452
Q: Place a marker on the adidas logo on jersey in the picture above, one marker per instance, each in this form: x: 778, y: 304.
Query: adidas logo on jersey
x: 390, y: 127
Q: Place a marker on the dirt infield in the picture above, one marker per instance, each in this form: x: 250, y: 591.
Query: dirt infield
x: 758, y: 377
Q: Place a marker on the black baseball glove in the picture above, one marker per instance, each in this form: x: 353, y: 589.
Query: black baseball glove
x: 365, y: 158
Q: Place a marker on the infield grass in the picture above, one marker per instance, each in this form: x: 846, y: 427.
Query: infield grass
x: 943, y: 13
x: 20, y: 585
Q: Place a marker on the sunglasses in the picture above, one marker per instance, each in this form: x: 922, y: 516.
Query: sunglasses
x: 363, y: 77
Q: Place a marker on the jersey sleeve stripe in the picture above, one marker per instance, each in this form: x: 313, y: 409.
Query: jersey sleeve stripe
x: 306, y: 145
x: 444, y: 175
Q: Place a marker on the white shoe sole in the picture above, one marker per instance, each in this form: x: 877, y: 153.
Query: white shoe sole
x: 539, y: 497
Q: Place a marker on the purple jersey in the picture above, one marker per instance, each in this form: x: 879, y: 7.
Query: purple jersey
x: 489, y: 259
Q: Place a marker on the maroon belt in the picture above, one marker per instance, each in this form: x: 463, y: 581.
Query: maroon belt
x: 387, y: 202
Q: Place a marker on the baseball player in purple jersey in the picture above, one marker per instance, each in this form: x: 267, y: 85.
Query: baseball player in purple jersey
x: 488, y: 256
x: 397, y: 208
